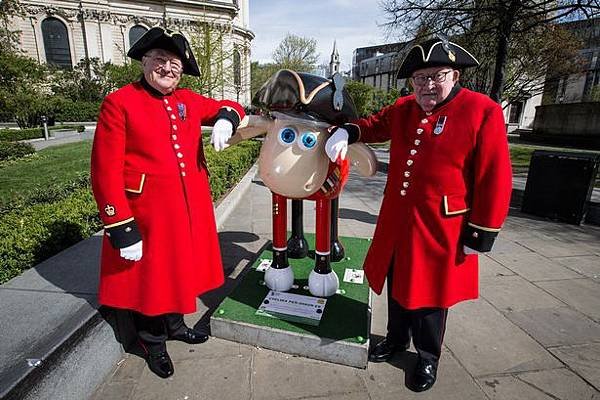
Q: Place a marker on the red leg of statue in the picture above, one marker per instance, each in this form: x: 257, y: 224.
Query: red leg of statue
x: 323, y: 239
x: 279, y: 232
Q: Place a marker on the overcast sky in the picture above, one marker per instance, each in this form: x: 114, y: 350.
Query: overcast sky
x: 353, y: 23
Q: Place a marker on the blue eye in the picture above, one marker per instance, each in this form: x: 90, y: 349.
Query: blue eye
x: 287, y: 136
x: 308, y: 140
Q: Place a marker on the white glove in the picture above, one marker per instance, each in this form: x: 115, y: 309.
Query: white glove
x: 337, y: 145
x: 133, y: 252
x: 467, y: 250
x: 222, y: 131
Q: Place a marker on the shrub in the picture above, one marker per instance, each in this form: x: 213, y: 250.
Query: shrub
x: 71, y: 111
x: 32, y: 235
x: 14, y: 135
x: 12, y: 150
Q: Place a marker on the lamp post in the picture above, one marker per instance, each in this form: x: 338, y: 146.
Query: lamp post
x: 44, y: 120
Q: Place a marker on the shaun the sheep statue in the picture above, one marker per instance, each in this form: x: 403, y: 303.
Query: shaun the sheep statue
x: 298, y: 111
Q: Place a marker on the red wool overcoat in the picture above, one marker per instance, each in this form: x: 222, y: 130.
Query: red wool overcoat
x: 449, y: 172
x: 149, y: 176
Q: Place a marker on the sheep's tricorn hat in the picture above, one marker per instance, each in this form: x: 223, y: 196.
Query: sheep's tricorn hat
x: 307, y: 96
x: 162, y: 38
x: 435, y: 52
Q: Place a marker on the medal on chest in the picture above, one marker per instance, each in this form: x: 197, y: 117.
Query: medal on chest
x: 439, y: 125
x: 181, y: 111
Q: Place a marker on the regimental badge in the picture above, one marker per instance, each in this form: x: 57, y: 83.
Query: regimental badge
x: 439, y: 125
x: 181, y: 110
x: 451, y: 56
x: 110, y: 210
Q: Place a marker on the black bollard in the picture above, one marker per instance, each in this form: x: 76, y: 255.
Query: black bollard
x: 337, y: 250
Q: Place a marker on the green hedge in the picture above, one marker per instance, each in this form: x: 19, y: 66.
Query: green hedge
x: 71, y: 111
x: 38, y: 232
x: 12, y: 150
x: 51, y: 219
x: 14, y: 135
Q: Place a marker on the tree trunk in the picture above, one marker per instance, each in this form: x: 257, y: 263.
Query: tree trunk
x: 503, y: 38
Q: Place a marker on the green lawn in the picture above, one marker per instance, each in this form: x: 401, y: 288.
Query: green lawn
x: 47, y: 168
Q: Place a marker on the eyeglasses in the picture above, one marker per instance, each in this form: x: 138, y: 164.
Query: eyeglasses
x: 176, y: 66
x: 438, y: 77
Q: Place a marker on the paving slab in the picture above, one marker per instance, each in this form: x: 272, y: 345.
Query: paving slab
x: 583, y: 359
x: 510, y: 388
x: 585, y: 265
x: 491, y: 269
x: 487, y: 343
x: 534, y: 267
x: 562, y: 384
x: 557, y: 326
x: 581, y: 294
x: 513, y: 293
x: 198, y: 380
x: 388, y: 380
x: 281, y: 376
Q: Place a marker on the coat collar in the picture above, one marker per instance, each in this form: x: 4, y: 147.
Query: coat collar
x: 152, y: 90
x: 451, y: 95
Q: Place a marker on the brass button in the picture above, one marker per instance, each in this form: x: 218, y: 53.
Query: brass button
x: 405, y: 184
x: 166, y: 101
x: 182, y: 173
x: 179, y: 155
x: 417, y: 142
x: 413, y: 152
x: 403, y: 192
x: 424, y: 121
x: 169, y: 108
x: 174, y: 127
x: 409, y: 162
x: 406, y: 174
x: 174, y: 137
x: 182, y: 165
x: 176, y: 146
x: 419, y: 131
x: 173, y: 116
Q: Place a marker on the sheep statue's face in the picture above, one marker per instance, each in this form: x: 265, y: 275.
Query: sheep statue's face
x: 292, y: 159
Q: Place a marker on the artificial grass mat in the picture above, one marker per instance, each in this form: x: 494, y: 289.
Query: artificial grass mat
x: 346, y: 315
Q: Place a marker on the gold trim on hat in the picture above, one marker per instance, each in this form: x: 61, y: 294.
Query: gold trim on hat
x: 303, y: 98
x: 426, y: 59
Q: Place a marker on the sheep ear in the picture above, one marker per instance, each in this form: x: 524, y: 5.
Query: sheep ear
x: 363, y: 158
x: 249, y: 127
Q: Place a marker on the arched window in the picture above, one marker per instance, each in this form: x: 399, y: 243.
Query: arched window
x: 237, y: 69
x: 135, y: 33
x: 56, y: 42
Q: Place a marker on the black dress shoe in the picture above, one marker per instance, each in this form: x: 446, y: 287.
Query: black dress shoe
x: 424, y: 376
x: 189, y: 335
x: 384, y: 350
x: 160, y: 363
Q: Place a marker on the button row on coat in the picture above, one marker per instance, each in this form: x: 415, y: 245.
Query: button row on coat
x: 176, y: 145
x: 410, y: 161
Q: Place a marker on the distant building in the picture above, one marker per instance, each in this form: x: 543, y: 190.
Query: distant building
x: 64, y: 32
x: 579, y: 87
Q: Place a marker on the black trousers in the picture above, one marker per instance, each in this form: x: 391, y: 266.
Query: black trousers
x: 426, y: 326
x: 153, y: 331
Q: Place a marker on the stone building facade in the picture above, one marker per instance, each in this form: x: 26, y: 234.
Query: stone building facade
x: 64, y: 32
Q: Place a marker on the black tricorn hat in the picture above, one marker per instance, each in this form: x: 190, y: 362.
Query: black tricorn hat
x: 435, y: 52
x: 307, y: 96
x: 162, y: 38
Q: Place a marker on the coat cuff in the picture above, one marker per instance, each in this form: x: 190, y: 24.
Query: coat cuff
x: 123, y: 234
x: 353, y: 132
x: 230, y: 114
x: 479, y: 238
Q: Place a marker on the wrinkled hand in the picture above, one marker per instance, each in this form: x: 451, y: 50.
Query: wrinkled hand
x: 467, y: 250
x: 222, y: 131
x: 133, y: 252
x: 337, y: 145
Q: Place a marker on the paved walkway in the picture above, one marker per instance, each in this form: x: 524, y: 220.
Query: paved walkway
x: 533, y: 334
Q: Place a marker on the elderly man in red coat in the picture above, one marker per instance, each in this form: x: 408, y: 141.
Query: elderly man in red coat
x: 446, y: 198
x: 149, y: 178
